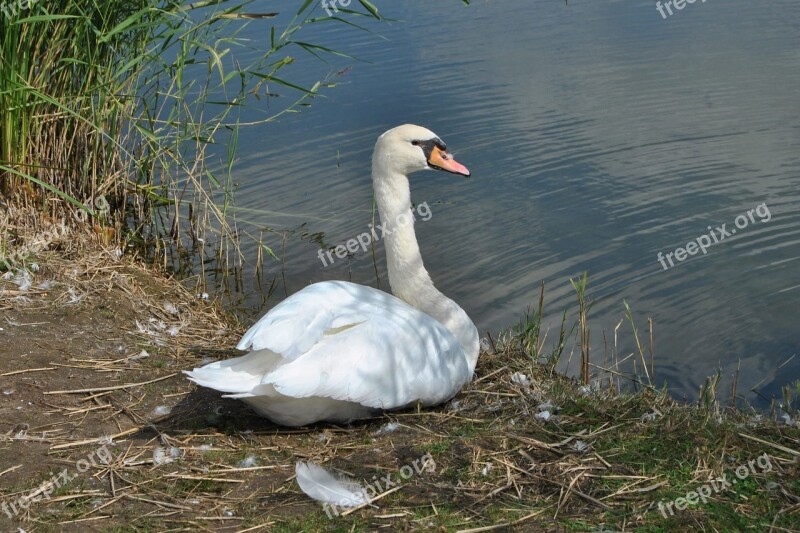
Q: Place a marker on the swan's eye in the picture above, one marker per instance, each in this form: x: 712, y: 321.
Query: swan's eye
x: 415, y: 143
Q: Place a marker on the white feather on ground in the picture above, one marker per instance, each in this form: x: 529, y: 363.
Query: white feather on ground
x: 324, y: 486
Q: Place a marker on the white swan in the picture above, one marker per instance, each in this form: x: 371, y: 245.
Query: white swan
x: 337, y: 351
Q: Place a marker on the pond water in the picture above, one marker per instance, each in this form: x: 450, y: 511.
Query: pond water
x: 599, y: 134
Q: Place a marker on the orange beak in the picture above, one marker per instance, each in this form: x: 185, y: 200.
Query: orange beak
x: 439, y: 159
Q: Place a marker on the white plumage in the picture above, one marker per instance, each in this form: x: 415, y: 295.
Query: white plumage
x: 323, y: 486
x: 338, y: 351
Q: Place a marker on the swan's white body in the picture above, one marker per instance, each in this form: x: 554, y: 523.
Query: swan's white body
x: 338, y: 351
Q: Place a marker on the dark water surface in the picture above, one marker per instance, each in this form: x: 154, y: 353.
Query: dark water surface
x: 598, y: 135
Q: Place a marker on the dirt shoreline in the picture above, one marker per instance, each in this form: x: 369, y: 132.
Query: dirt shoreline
x: 103, y: 433
x: 92, y: 322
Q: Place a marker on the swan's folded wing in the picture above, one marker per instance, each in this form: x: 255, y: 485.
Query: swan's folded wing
x: 299, y: 322
x: 291, y: 328
x: 353, y: 343
x: 385, y: 362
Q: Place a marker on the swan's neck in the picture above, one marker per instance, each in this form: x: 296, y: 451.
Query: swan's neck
x: 407, y: 275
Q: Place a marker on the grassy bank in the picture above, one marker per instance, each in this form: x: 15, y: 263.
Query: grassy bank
x: 109, y: 110
x: 522, y: 448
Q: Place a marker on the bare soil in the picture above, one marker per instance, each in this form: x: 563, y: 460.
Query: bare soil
x: 90, y: 384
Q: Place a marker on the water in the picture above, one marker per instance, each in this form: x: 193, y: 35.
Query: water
x: 598, y: 135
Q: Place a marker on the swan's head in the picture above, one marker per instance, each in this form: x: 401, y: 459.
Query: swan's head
x: 410, y: 148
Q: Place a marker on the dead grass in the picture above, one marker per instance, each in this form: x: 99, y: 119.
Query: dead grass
x: 92, y: 360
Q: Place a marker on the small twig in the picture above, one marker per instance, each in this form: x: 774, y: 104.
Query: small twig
x: 9, y: 292
x: 203, y: 478
x: 7, y: 470
x: 376, y: 498
x: 94, y: 440
x: 85, y: 520
x: 776, y: 446
x: 163, y: 504
x: 574, y: 491
x: 115, y: 387
x: 490, y: 374
x: 254, y: 528
x: 27, y: 370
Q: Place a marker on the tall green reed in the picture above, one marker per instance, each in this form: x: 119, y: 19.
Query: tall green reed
x: 108, y: 109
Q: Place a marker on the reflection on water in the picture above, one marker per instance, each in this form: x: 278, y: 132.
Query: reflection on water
x: 598, y: 135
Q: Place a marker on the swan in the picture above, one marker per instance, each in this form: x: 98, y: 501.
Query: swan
x: 338, y: 351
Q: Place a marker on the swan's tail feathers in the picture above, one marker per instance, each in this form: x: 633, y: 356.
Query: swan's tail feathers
x: 240, y: 375
x: 221, y: 382
x: 263, y: 390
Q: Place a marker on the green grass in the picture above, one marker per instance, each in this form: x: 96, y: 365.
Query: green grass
x: 108, y: 110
